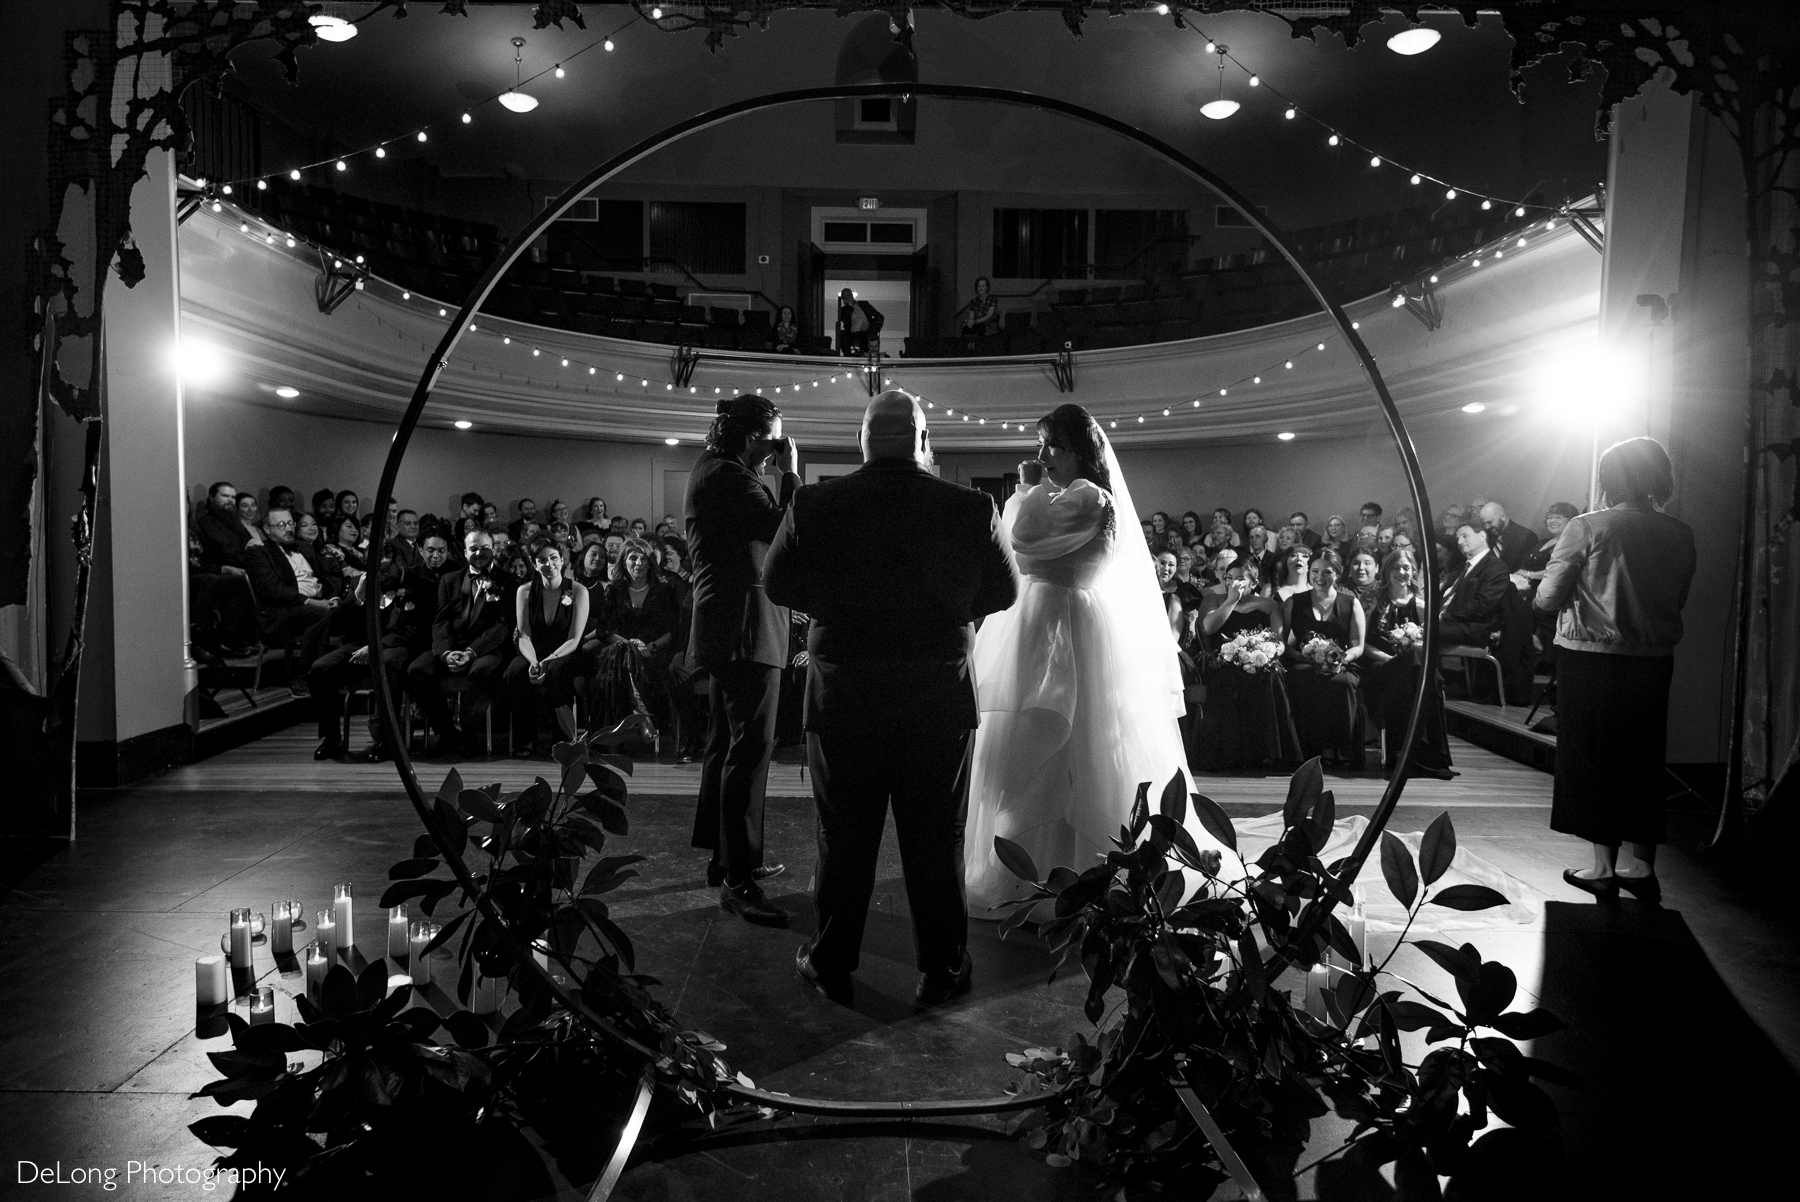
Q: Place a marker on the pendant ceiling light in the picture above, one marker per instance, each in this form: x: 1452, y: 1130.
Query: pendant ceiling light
x: 1416, y: 40
x: 517, y: 101
x: 332, y: 29
x: 1221, y: 108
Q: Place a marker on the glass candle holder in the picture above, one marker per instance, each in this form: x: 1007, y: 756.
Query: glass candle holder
x: 418, y: 935
x: 342, y: 914
x: 325, y: 934
x: 397, y: 933
x: 281, y: 929
x: 317, y: 965
x: 262, y: 1005
x: 240, y: 936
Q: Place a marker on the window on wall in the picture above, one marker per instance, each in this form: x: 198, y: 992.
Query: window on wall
x: 702, y: 236
x: 1129, y: 242
x: 1040, y: 243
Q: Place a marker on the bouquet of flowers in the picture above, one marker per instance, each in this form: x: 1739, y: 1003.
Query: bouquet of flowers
x: 1323, y: 655
x: 1406, y: 634
x: 1253, y: 651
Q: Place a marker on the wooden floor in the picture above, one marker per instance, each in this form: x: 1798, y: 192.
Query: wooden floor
x: 1510, y: 718
x: 284, y: 761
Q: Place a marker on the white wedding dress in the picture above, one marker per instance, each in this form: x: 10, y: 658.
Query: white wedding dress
x: 1079, y: 691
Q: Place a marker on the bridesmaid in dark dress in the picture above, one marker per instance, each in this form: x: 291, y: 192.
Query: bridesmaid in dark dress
x: 1390, y: 674
x: 640, y: 614
x: 1245, y: 722
x: 1327, y: 708
x: 552, y: 611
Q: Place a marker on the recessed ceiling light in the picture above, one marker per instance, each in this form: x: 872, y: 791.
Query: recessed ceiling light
x: 672, y: 441
x: 1286, y: 436
x: 286, y: 393
x: 1474, y: 407
x: 332, y: 29
x: 464, y: 425
x: 1416, y: 40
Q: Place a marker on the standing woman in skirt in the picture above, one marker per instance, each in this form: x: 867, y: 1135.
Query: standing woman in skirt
x: 1617, y: 581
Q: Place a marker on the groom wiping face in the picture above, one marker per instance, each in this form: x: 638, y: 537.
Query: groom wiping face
x: 893, y: 427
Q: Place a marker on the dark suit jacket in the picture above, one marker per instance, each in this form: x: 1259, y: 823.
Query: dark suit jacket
x: 731, y: 516
x: 463, y: 623
x: 1475, y: 596
x: 1513, y: 544
x: 272, y: 576
x: 222, y: 540
x: 892, y: 617
x: 410, y: 616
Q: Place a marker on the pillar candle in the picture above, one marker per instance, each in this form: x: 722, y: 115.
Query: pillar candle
x: 212, y: 984
x: 341, y: 914
x: 397, y: 934
x: 1358, y: 927
x: 262, y: 1005
x: 240, y: 939
x: 317, y: 965
x: 1318, y: 980
x: 281, y: 929
x: 326, y: 934
x: 396, y: 980
x: 417, y: 937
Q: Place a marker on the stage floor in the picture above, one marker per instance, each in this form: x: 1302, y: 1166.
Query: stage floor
x: 98, y: 1054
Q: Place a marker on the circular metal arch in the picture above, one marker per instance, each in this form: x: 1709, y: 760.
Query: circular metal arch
x: 1409, y: 459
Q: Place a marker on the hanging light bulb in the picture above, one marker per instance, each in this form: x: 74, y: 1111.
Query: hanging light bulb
x: 609, y: 43
x: 1289, y: 114
x: 294, y: 174
x: 226, y: 189
x: 381, y: 152
x: 467, y: 118
x: 1450, y: 195
x: 1256, y: 81
x: 1519, y: 212
x: 262, y: 185
x: 1417, y: 40
x: 1487, y: 204
x: 421, y: 135
x: 514, y: 99
x: 1221, y: 108
x: 656, y: 14
x: 342, y: 165
x: 331, y: 29
x: 1417, y: 178
x: 559, y: 71
x: 1375, y: 161
x: 1332, y: 140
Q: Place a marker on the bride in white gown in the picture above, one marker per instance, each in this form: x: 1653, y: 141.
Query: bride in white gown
x: 1078, y: 683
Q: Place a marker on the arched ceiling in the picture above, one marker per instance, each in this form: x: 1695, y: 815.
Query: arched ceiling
x: 1449, y: 111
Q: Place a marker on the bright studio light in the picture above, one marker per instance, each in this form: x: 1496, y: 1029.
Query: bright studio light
x: 1218, y: 110
x: 198, y: 362
x: 1586, y: 381
x: 332, y: 29
x: 1416, y: 40
x: 519, y: 102
x: 287, y: 393
x: 1474, y: 407
x: 673, y: 442
x: 1286, y: 436
x: 465, y: 425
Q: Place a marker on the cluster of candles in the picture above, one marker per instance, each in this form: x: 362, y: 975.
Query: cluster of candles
x: 221, y: 978
x: 1319, y: 976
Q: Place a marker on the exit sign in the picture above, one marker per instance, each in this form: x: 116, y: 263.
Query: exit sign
x: 868, y: 202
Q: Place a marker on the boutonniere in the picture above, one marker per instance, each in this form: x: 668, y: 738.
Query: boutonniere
x: 567, y: 600
x: 410, y: 607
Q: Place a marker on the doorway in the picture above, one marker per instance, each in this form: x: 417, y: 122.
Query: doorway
x: 893, y: 297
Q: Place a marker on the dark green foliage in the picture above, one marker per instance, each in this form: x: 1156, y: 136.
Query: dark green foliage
x: 1199, y: 1008
x: 561, y: 1060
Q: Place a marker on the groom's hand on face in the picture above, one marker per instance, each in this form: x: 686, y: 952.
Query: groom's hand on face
x: 787, y: 455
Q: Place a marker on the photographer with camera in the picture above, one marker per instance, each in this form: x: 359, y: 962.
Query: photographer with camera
x: 740, y: 637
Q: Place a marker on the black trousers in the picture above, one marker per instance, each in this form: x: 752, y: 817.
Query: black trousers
x: 926, y: 780
x: 332, y: 673
x: 427, y: 672
x: 735, y: 774
x: 529, y: 699
x: 1612, y: 715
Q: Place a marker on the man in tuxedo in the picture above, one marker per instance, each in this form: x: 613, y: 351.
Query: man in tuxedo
x: 294, y: 596
x: 740, y: 638
x: 409, y: 605
x: 470, y: 633
x: 890, y: 699
x: 222, y: 536
x: 527, y: 514
x: 1510, y: 541
x: 1472, y: 600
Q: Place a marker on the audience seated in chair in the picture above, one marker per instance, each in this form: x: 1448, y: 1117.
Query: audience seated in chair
x: 294, y: 597
x: 470, y: 638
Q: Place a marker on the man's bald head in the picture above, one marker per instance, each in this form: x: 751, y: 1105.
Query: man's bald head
x: 893, y: 427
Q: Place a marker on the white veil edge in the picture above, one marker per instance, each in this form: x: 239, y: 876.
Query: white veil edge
x: 1149, y: 672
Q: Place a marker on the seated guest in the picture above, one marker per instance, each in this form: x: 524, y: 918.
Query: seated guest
x: 639, y: 619
x: 592, y: 519
x: 327, y: 678
x: 403, y: 547
x: 1384, y: 539
x: 347, y: 537
x: 982, y: 315
x: 249, y: 517
x: 1260, y: 552
x: 1245, y: 722
x: 674, y: 562
x: 1148, y: 529
x: 1221, y: 537
x: 1295, y: 575
x: 1471, y: 608
x: 221, y: 610
x: 590, y: 567
x: 282, y: 497
x: 1402, y: 541
x: 615, y: 547
x: 619, y: 526
x: 470, y: 505
x: 640, y: 529
x: 307, y: 532
x: 1371, y: 514
x: 1367, y: 539
x: 1405, y: 523
x: 1363, y: 575
x: 1297, y: 522
x: 1172, y: 608
x: 1392, y: 662
x: 1510, y: 541
x: 514, y: 567
x: 490, y: 517
x: 1188, y: 584
x: 222, y: 536
x: 1531, y: 567
x: 1337, y: 536
x: 528, y: 517
x: 347, y: 503
x: 324, y: 506
x: 292, y: 595
x: 1190, y: 526
x: 1327, y: 704
x: 787, y: 331
x: 559, y: 512
x: 1252, y: 519
x: 666, y: 530
x: 1160, y: 524
x: 550, y: 612
x: 469, y: 637
x: 1452, y: 517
